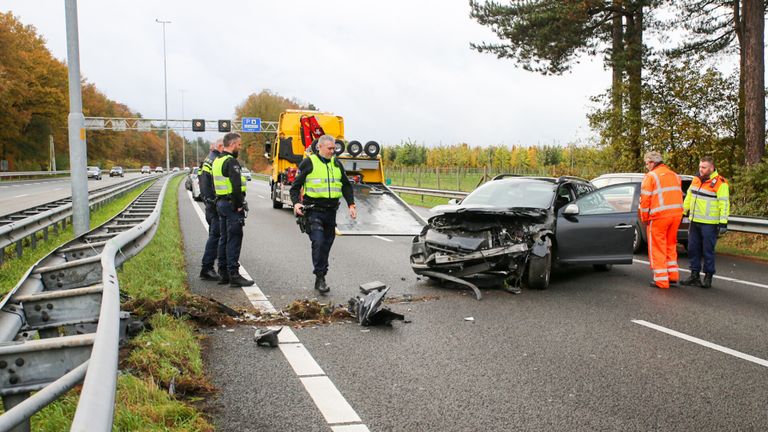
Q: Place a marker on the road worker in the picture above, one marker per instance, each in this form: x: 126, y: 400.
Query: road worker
x: 230, y: 187
x: 661, y: 209
x: 708, y: 204
x: 205, y: 178
x: 324, y: 181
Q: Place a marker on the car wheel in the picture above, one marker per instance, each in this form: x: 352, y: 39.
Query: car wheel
x: 637, y: 241
x: 602, y: 267
x: 539, y: 269
x: 276, y: 204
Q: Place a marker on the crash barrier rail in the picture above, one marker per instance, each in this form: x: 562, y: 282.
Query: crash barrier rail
x: 745, y: 224
x: 21, y: 174
x: 71, y: 300
x: 16, y: 227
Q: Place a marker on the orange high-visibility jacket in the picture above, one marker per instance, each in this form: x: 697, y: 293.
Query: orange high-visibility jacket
x: 660, y: 195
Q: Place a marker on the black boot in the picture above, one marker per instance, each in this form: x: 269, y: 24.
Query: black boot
x: 209, y: 275
x: 223, y: 277
x: 236, y: 281
x: 320, y: 283
x: 707, y: 283
x: 693, y: 280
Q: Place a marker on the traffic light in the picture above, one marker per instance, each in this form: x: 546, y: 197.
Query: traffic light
x: 198, y: 125
x: 224, y: 126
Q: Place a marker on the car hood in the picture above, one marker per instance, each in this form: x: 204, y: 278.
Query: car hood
x: 480, y: 209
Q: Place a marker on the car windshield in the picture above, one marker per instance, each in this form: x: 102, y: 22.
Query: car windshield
x: 194, y: 171
x: 92, y: 168
x: 508, y: 194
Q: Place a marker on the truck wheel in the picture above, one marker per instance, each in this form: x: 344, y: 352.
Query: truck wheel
x: 539, y: 269
x: 276, y: 203
x: 354, y: 148
x: 340, y: 147
x: 372, y: 149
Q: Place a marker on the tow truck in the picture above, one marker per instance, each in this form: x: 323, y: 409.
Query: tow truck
x: 380, y: 211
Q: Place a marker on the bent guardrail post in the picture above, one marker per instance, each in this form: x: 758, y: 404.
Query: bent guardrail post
x: 95, y: 409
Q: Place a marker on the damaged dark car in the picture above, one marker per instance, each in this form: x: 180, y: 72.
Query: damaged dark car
x: 512, y: 230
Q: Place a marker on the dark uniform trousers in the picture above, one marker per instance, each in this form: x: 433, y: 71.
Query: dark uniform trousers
x: 212, y: 244
x: 701, y: 243
x: 231, y: 226
x: 322, y: 233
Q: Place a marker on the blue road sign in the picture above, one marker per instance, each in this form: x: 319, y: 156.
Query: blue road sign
x: 251, y: 124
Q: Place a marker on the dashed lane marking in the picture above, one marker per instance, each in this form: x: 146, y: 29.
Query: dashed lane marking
x: 383, y: 238
x: 704, y: 343
x: 261, y: 196
x: 338, y: 413
x: 725, y: 278
x: 22, y: 195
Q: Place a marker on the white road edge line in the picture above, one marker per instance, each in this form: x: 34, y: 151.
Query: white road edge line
x: 382, y: 238
x: 702, y: 342
x: 327, y: 397
x: 261, y: 196
x: 725, y: 278
x: 19, y: 196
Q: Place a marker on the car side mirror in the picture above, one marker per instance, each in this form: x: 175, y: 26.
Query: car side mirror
x: 453, y: 201
x: 571, y: 210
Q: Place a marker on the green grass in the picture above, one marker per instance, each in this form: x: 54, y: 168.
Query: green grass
x: 743, y: 244
x: 422, y: 200
x: 140, y: 406
x: 169, y: 351
x: 159, y: 271
x: 14, y: 268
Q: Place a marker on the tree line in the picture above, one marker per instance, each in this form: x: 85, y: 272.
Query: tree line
x: 34, y: 104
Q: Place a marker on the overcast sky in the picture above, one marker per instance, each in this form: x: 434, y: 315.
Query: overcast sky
x: 393, y: 69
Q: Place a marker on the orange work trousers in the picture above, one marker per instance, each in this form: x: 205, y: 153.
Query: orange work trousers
x: 662, y: 250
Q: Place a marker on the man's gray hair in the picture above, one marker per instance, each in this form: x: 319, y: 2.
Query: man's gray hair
x: 215, y: 144
x: 653, y: 156
x: 326, y: 137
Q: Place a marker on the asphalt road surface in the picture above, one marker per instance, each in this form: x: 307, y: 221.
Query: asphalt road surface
x: 20, y: 195
x: 596, y: 351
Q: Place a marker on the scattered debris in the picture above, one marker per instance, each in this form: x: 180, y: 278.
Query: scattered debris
x: 368, y: 309
x: 267, y: 337
x: 410, y: 298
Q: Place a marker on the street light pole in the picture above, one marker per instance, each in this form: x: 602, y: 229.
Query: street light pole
x: 78, y: 155
x: 165, y: 81
x: 183, y: 132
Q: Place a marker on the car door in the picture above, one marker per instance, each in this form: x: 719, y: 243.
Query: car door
x: 602, y: 231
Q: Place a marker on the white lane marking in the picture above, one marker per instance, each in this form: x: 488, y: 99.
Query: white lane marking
x: 22, y: 195
x: 350, y: 428
x: 300, y: 359
x: 328, y: 399
x: 383, y: 238
x: 725, y: 278
x: 702, y: 342
x: 331, y: 403
x: 261, y: 196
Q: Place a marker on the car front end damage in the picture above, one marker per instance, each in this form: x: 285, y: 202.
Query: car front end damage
x: 482, y: 247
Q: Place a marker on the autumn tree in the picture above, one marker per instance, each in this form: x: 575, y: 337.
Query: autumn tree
x: 266, y: 105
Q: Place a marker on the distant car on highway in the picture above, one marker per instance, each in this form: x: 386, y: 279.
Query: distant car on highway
x: 159, y: 169
x: 641, y: 236
x: 116, y: 172
x: 146, y: 169
x: 175, y: 169
x: 94, y: 172
x: 246, y: 173
x: 192, y: 183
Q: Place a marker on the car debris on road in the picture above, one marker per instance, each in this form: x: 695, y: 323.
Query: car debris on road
x: 267, y: 336
x: 369, y: 310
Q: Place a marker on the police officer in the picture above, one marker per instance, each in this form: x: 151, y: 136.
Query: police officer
x: 708, y: 205
x: 324, y: 182
x: 229, y: 185
x: 208, y: 194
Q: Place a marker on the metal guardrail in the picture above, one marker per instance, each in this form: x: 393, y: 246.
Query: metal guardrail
x: 71, y: 300
x: 16, y: 227
x: 745, y: 224
x: 21, y: 174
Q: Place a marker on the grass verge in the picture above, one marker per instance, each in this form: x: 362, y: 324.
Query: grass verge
x: 165, y: 356
x: 14, y: 268
x: 744, y: 245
